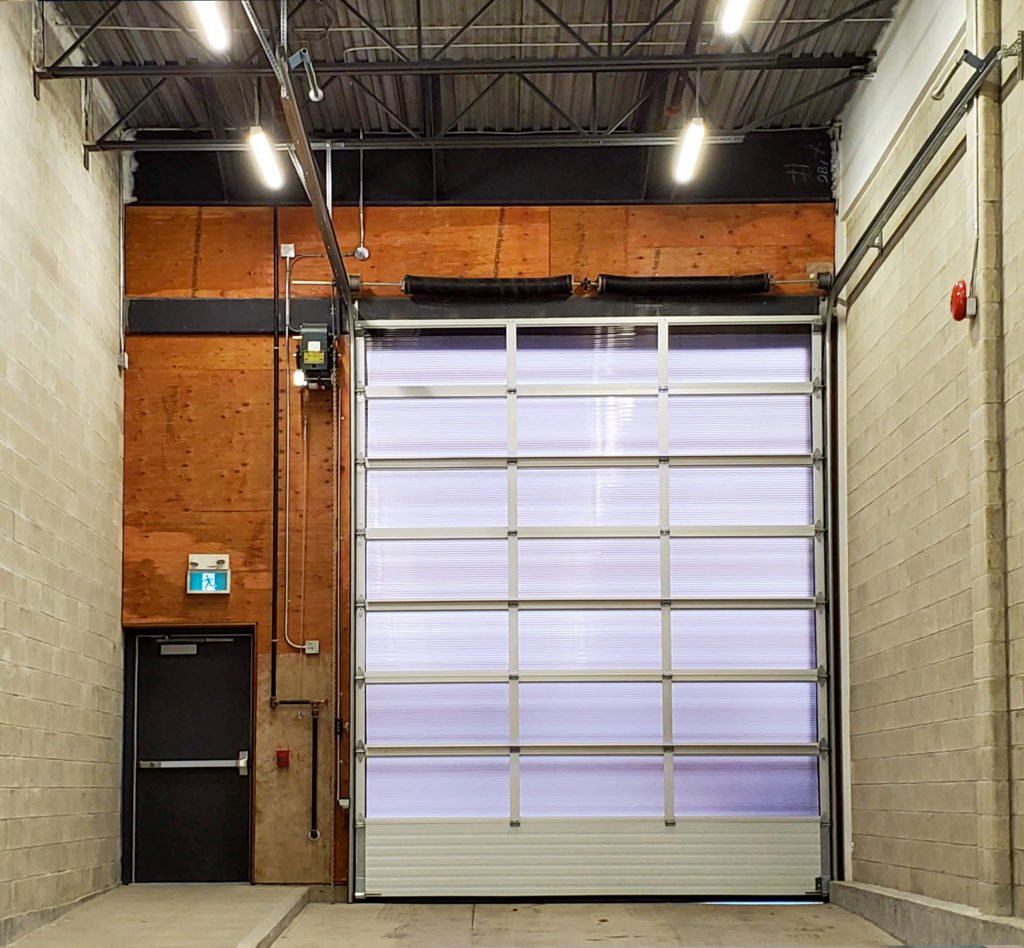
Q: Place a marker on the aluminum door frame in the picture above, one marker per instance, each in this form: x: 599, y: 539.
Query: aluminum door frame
x: 816, y: 388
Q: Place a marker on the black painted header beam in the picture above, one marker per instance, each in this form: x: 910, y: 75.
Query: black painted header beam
x: 590, y: 64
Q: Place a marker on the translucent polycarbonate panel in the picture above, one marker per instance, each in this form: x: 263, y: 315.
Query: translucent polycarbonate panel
x: 590, y: 712
x: 436, y: 427
x: 588, y: 427
x: 436, y: 641
x: 435, y: 498
x: 741, y: 496
x: 746, y: 786
x: 431, y: 715
x: 591, y: 786
x: 615, y: 354
x: 744, y: 712
x: 586, y: 639
x: 743, y: 638
x: 589, y: 569
x: 739, y: 424
x: 742, y: 567
x: 432, y: 357
x: 436, y: 569
x: 582, y: 497
x: 437, y: 787
x: 747, y: 357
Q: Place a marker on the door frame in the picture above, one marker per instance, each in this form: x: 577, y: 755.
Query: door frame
x: 132, y: 633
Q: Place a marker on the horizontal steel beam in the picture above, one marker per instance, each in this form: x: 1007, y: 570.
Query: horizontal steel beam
x: 589, y: 64
x: 449, y: 142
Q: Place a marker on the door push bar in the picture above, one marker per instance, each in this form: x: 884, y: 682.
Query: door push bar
x: 241, y: 763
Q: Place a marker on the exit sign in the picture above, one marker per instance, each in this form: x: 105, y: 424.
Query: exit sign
x: 208, y: 573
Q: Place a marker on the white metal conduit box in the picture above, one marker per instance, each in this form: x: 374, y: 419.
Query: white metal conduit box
x: 208, y: 573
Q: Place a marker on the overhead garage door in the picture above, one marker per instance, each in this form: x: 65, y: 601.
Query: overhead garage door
x: 589, y: 629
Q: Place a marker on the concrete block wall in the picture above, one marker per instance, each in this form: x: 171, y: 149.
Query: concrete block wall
x: 926, y: 630
x: 910, y: 639
x: 1013, y: 324
x: 60, y: 499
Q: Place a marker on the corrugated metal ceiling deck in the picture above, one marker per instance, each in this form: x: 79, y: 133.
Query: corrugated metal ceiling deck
x: 149, y: 32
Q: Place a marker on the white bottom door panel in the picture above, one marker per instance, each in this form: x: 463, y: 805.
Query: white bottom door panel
x: 557, y: 857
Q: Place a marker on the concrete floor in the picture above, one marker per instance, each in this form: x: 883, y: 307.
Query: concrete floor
x: 174, y: 916
x: 560, y: 925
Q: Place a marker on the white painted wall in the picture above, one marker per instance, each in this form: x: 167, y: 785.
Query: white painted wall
x: 61, y: 410
x: 914, y: 50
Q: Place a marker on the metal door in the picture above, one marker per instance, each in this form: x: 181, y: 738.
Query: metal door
x: 190, y: 746
x: 590, y: 608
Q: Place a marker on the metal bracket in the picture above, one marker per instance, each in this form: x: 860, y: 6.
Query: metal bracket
x: 823, y: 746
x: 1016, y: 48
x: 360, y: 676
x: 302, y: 58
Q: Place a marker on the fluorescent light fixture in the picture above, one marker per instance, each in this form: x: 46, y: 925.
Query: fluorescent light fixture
x: 689, y: 150
x: 299, y: 378
x: 266, y: 157
x: 208, y: 12
x: 733, y: 14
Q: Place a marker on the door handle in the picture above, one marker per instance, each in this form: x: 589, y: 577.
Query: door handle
x: 240, y: 763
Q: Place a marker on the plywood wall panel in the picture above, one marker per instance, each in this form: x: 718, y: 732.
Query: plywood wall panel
x: 586, y: 241
x: 198, y: 479
x: 228, y: 252
x: 235, y: 253
x: 161, y: 249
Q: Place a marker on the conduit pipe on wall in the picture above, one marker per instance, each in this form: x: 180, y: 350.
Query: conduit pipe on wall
x: 275, y: 500
x: 986, y: 433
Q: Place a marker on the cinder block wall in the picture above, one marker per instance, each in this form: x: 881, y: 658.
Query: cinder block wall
x: 921, y: 727
x: 1013, y: 323
x: 60, y: 499
x: 911, y: 666
x: 911, y: 702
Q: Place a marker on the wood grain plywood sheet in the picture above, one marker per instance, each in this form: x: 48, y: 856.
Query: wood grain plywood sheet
x: 228, y: 252
x: 236, y: 253
x: 586, y: 241
x: 161, y: 248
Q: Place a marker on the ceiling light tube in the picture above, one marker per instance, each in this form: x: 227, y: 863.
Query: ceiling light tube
x: 209, y: 15
x: 689, y: 150
x: 733, y: 14
x: 266, y: 157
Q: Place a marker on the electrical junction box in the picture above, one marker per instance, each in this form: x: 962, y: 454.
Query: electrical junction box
x: 208, y: 573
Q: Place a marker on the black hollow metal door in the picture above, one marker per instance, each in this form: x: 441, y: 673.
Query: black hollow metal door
x: 191, y: 759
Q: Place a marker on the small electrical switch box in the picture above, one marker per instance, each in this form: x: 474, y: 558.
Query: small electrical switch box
x: 283, y: 755
x: 312, y: 646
